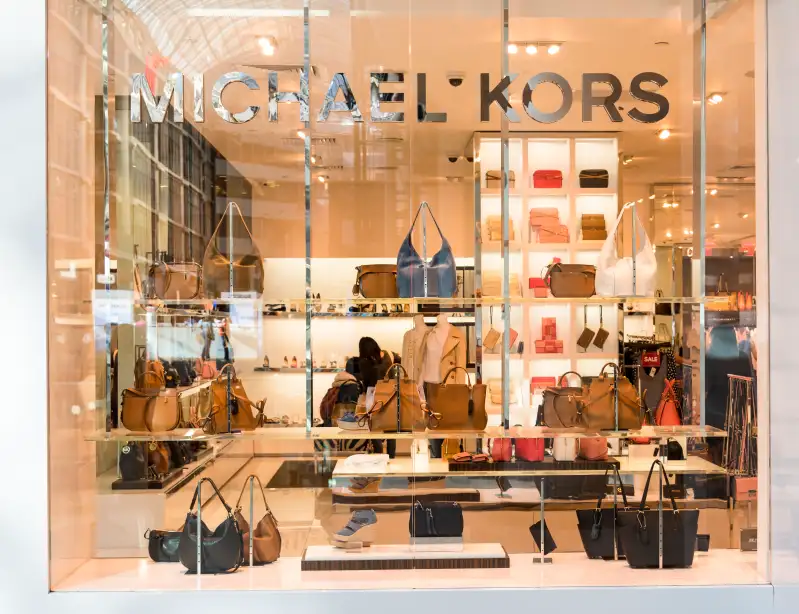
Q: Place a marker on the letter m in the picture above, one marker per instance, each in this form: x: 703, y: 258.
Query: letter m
x: 157, y: 111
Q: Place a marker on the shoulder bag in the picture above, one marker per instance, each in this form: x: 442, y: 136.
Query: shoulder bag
x: 614, y: 275
x: 162, y: 546
x: 599, y: 405
x: 571, y: 280
x: 176, y: 280
x: 241, y: 407
x: 397, y: 405
x: 639, y: 531
x: 417, y: 278
x: 135, y: 407
x: 562, y: 404
x: 266, y: 541
x: 436, y: 519
x: 158, y: 458
x: 132, y: 462
x: 241, y: 269
x: 455, y: 407
x: 163, y: 411
x: 221, y: 551
x: 376, y: 281
x: 598, y: 527
x: 593, y: 448
x: 668, y: 409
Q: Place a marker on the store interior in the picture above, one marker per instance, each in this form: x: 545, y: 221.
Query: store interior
x: 310, y: 203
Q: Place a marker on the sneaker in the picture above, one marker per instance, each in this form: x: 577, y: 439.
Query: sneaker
x: 360, y: 531
x: 349, y: 422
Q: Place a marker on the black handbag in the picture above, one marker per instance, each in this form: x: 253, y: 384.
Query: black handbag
x: 179, y: 453
x: 222, y: 551
x: 186, y: 373
x: 594, y: 178
x: 436, y: 519
x: 639, y: 530
x: 597, y: 526
x: 162, y: 546
x: 132, y: 462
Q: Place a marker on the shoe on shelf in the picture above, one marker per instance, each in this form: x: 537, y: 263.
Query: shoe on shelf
x: 359, y: 532
x: 365, y: 485
x: 293, y: 362
x: 266, y: 362
x: 285, y: 362
x: 349, y: 422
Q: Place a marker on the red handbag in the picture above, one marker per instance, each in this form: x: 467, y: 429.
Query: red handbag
x: 547, y: 179
x: 501, y: 450
x: 667, y: 412
x: 540, y: 383
x: 593, y: 448
x: 539, y: 287
x: 745, y: 489
x: 530, y: 449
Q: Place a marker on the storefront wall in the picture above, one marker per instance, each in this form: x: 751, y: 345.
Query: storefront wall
x: 27, y: 510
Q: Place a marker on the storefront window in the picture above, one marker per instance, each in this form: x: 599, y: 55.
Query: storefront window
x: 442, y: 285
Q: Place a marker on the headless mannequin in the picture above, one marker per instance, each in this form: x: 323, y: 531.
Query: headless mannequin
x: 434, y: 349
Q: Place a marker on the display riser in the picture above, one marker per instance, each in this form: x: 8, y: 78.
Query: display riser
x: 391, y: 557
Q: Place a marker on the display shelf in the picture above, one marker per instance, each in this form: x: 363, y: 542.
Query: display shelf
x: 300, y: 432
x: 514, y: 191
x: 297, y: 370
x: 587, y: 246
x: 409, y: 466
x: 496, y: 246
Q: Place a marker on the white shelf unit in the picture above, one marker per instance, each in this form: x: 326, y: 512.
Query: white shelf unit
x: 570, y: 153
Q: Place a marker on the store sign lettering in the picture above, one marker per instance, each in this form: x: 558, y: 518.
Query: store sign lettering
x: 489, y: 96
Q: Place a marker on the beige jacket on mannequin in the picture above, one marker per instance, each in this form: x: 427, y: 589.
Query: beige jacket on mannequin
x: 414, y: 348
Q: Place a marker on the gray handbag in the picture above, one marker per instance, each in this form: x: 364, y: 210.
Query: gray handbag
x: 412, y: 271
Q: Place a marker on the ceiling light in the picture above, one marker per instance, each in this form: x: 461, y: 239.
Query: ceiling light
x: 716, y: 225
x: 267, y: 44
x: 652, y: 197
x: 668, y: 234
x: 713, y: 192
x: 313, y: 159
x: 553, y: 49
x: 744, y: 216
x: 675, y: 205
x: 513, y: 48
x: 667, y: 205
x: 300, y: 134
x: 715, y: 98
x: 664, y: 134
x: 686, y: 232
x: 640, y: 200
x: 625, y: 160
x: 531, y: 49
x: 323, y: 178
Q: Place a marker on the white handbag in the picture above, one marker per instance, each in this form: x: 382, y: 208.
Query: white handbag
x: 614, y: 275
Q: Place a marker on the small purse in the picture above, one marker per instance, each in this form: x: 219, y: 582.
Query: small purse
x: 455, y: 407
x: 221, y: 551
x: 594, y: 178
x: 266, y: 540
x: 436, y: 519
x: 553, y: 234
x: 571, y: 280
x: 547, y: 179
x: 544, y: 217
x: 162, y: 546
x: 593, y: 228
x: 562, y: 404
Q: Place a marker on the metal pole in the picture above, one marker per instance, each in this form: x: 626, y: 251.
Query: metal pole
x: 424, y: 206
x: 252, y: 526
x: 199, y: 532
x: 635, y: 246
x: 616, y: 486
x: 660, y: 514
x: 505, y: 203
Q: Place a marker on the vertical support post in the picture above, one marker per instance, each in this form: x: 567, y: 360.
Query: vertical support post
x: 252, y: 518
x: 660, y: 512
x: 199, y: 532
x: 616, y: 486
x: 106, y: 281
x: 505, y: 172
x: 306, y: 82
x: 424, y: 244
x: 635, y: 245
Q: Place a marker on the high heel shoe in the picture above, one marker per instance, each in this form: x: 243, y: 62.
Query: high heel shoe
x: 293, y: 362
x: 266, y: 362
x: 359, y: 532
x: 285, y: 362
x: 384, y: 309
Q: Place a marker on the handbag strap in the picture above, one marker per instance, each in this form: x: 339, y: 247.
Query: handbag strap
x: 142, y: 375
x: 432, y: 217
x: 387, y: 377
x: 615, y: 227
x: 230, y: 206
x: 260, y: 487
x: 223, y: 369
x: 662, y: 469
x: 560, y: 379
x: 452, y: 370
x: 216, y: 490
x: 617, y: 475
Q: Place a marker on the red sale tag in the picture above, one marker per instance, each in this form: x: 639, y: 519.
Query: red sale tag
x: 650, y: 359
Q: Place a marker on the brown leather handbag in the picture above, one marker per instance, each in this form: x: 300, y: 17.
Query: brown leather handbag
x: 149, y: 375
x: 397, y: 406
x: 158, y: 457
x: 177, y: 280
x: 571, y: 280
x: 242, y: 416
x: 163, y: 412
x: 562, y: 404
x: 455, y: 407
x: 599, y: 404
x: 135, y: 404
x: 242, y: 263
x: 266, y: 540
x: 376, y: 281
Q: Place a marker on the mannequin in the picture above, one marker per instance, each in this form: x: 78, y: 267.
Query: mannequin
x: 434, y: 350
x: 412, y: 344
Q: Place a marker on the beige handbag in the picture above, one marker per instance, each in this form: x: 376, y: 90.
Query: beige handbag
x: 376, y: 281
x: 397, y: 405
x: 176, y: 281
x: 163, y: 412
x: 571, y: 280
x: 456, y: 407
x: 241, y: 269
x: 241, y: 407
x: 599, y: 405
x: 266, y: 540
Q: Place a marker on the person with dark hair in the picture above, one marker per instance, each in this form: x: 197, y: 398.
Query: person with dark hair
x: 372, y: 365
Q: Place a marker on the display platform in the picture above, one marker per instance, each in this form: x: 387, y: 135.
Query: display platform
x: 472, y: 556
x: 718, y: 568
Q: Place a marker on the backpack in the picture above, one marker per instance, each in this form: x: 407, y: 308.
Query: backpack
x: 328, y: 403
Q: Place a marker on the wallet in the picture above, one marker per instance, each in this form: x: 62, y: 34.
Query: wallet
x: 549, y: 542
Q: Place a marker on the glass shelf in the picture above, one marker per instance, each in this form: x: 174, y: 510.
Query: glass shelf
x: 300, y: 432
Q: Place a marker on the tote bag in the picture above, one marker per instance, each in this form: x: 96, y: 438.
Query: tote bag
x: 614, y: 275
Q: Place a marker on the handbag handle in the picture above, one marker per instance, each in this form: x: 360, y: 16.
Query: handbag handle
x: 141, y: 375
x: 639, y: 227
x: 216, y: 490
x: 222, y: 371
x: 426, y: 205
x: 391, y: 368
x: 260, y: 487
x: 376, y: 408
x: 662, y: 469
x: 452, y: 370
x: 617, y: 475
x: 229, y: 207
x: 560, y: 379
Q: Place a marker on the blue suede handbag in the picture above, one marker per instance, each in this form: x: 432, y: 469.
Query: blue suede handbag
x: 417, y: 278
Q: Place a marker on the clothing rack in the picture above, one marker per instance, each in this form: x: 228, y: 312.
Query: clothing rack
x: 740, y: 449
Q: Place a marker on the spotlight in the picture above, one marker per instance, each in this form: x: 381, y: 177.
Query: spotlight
x: 553, y: 49
x: 300, y: 134
x: 716, y: 225
x: 513, y: 48
x: 267, y: 44
x: 685, y: 232
x: 625, y: 160
x: 313, y: 159
x: 323, y: 178
x: 668, y: 234
x: 713, y: 192
x: 744, y: 216
x: 715, y: 98
x: 664, y: 134
x: 531, y: 49
x: 652, y: 197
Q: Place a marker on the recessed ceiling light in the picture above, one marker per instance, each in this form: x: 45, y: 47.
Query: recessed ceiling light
x: 716, y: 225
x: 652, y: 197
x: 625, y: 160
x: 323, y: 178
x: 513, y: 48
x: 300, y: 134
x: 713, y: 192
x: 715, y: 98
x: 675, y: 205
x: 268, y: 45
x: 667, y: 205
x: 744, y: 215
x: 553, y: 49
x: 668, y: 234
x: 313, y: 159
x: 531, y: 49
x: 663, y: 134
x: 685, y: 232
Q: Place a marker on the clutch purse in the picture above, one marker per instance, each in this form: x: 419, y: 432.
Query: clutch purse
x: 594, y: 178
x: 494, y: 179
x: 553, y: 234
x: 436, y: 519
x: 547, y: 179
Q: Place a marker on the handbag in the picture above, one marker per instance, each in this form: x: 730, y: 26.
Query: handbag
x: 599, y: 404
x: 529, y: 449
x: 594, y: 178
x: 501, y: 449
x: 571, y: 280
x: 149, y: 374
x: 668, y: 412
x: 162, y: 546
x: 561, y: 404
x: 241, y: 408
x: 593, y: 228
x: 415, y: 277
x: 494, y: 179
x: 614, y: 275
x: 539, y: 287
x: 541, y: 217
x: 663, y: 308
x: 593, y: 448
x: 547, y: 179
x: 163, y: 411
x: 436, y: 519
x: 132, y: 462
x: 172, y: 281
x: 376, y: 281
x: 241, y: 269
x: 221, y: 551
x: 158, y: 458
x: 598, y: 527
x: 266, y: 540
x: 206, y: 369
x: 723, y: 300
x: 494, y: 228
x: 397, y: 405
x: 640, y: 531
x: 135, y: 405
x: 553, y: 234
x: 455, y: 407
